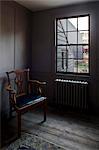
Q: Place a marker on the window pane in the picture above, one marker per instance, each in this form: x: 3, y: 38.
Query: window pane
x: 80, y: 52
x: 62, y: 24
x: 59, y: 29
x: 72, y: 37
x: 75, y: 66
x: 69, y: 52
x: 72, y: 65
x: 61, y: 39
x: 83, y: 37
x: 61, y: 65
x: 85, y: 52
x: 60, y: 50
x: 66, y: 65
x: 72, y: 24
x: 83, y: 63
x: 83, y: 66
x: 72, y: 52
x: 83, y: 23
x: 61, y: 58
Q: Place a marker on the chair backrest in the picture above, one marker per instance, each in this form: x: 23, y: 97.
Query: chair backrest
x: 18, y: 80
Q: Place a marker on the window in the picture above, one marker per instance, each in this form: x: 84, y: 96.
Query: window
x: 72, y: 45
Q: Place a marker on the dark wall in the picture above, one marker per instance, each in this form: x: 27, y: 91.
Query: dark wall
x: 15, y: 44
x: 15, y: 39
x: 43, y: 48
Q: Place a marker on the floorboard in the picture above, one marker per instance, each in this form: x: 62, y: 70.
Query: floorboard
x: 71, y: 131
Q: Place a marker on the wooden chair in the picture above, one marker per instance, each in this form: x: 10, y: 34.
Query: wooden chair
x: 25, y: 94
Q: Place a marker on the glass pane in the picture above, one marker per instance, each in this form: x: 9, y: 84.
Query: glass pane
x: 62, y: 24
x: 68, y: 52
x: 72, y: 37
x: 83, y: 37
x: 75, y: 66
x: 61, y: 39
x: 61, y: 52
x: 83, y: 66
x: 80, y: 52
x: 61, y: 65
x: 85, y: 52
x: 72, y: 52
x: 72, y: 65
x: 59, y: 29
x: 72, y: 24
x: 83, y: 63
x: 83, y: 23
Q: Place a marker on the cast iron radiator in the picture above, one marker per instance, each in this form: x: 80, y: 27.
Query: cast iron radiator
x: 71, y: 93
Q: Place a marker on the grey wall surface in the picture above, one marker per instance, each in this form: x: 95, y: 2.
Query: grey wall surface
x: 15, y: 38
x: 15, y: 44
x: 43, y: 48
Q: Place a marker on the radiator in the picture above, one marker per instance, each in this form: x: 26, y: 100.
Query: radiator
x: 71, y: 93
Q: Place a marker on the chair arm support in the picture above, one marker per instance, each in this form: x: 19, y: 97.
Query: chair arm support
x: 40, y: 87
x: 12, y: 91
x: 38, y: 82
x: 12, y: 95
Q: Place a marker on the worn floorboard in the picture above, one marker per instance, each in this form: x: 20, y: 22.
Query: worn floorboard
x: 71, y: 131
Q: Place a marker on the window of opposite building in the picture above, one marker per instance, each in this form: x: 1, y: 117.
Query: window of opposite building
x: 72, y: 44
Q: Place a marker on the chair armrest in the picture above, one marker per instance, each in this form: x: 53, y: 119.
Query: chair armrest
x: 37, y: 87
x: 38, y: 82
x: 12, y: 91
x: 12, y: 95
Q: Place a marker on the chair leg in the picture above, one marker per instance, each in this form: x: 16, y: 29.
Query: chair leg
x: 19, y: 124
x: 10, y: 113
x: 45, y: 111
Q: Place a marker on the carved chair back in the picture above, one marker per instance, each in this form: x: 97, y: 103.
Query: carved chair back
x: 18, y: 81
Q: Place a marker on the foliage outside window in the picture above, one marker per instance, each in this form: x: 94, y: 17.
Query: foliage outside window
x: 72, y: 45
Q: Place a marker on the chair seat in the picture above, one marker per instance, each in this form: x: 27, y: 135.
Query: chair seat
x: 28, y: 100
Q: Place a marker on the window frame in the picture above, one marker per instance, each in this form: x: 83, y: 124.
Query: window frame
x: 56, y: 44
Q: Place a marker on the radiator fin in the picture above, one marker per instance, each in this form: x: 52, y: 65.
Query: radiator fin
x: 71, y: 93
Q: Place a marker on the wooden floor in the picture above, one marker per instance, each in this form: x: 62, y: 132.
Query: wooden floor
x: 70, y: 130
